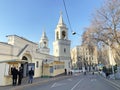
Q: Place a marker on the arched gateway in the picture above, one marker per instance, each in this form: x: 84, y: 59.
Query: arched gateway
x: 27, y: 59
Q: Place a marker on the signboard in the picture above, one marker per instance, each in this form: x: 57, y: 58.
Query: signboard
x: 31, y: 65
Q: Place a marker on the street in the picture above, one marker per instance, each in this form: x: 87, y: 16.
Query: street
x: 77, y: 82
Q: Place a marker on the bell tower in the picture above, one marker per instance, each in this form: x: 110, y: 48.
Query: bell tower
x: 61, y: 31
x: 61, y: 45
x: 43, y: 44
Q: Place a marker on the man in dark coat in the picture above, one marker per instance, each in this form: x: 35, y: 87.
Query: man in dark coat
x: 14, y: 76
x: 31, y: 74
x: 20, y: 75
x: 65, y: 71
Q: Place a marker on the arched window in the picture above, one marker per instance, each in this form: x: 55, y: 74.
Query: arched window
x: 24, y: 58
x: 63, y: 34
x: 45, y: 44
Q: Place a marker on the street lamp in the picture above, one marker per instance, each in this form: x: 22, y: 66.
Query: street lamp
x: 73, y: 33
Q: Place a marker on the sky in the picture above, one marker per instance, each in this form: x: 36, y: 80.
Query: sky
x: 29, y: 18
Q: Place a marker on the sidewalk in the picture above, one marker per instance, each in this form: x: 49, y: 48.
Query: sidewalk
x: 37, y: 81
x: 115, y: 82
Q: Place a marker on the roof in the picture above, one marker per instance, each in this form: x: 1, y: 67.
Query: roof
x: 6, y: 43
x: 44, y: 35
x: 22, y: 38
x: 61, y: 22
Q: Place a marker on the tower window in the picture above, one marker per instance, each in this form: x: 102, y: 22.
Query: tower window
x: 45, y: 44
x: 64, y: 50
x: 63, y: 34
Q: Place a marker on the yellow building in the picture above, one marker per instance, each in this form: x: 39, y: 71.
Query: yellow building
x: 84, y: 56
x: 53, y: 68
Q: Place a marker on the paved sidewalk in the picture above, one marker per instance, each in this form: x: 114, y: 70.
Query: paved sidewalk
x: 37, y: 81
x: 115, y: 82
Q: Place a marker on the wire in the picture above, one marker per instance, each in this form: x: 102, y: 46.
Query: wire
x: 67, y: 15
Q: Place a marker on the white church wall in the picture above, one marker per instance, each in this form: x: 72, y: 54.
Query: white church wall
x: 4, y: 78
x: 5, y: 49
x: 7, y: 52
x: 37, y: 72
x: 2, y: 65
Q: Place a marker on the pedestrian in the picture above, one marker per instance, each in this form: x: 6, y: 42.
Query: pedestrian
x: 107, y: 74
x: 65, y: 71
x: 31, y: 74
x: 14, y: 76
x: 20, y: 75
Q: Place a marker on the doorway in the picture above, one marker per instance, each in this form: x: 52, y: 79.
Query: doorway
x: 25, y: 66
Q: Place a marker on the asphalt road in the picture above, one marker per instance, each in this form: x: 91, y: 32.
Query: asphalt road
x: 78, y: 82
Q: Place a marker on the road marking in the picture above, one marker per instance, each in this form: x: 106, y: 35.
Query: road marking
x: 69, y: 79
x: 93, y: 80
x: 53, y: 85
x: 76, y: 84
x: 58, y: 84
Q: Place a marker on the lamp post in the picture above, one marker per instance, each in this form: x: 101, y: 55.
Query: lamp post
x: 83, y: 64
x: 111, y: 59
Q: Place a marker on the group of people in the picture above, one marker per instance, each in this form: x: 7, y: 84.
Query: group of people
x: 17, y: 75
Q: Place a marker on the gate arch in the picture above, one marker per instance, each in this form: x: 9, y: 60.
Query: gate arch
x: 28, y: 59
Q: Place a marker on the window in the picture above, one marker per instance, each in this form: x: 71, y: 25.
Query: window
x: 24, y: 58
x: 45, y: 44
x: 37, y: 64
x: 64, y: 50
x: 63, y: 34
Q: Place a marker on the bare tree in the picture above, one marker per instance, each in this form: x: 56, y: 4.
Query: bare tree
x: 105, y: 26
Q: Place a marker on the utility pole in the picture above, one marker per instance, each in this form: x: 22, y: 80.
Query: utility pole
x: 111, y: 59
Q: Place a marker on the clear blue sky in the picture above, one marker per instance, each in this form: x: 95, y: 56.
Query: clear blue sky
x: 27, y: 18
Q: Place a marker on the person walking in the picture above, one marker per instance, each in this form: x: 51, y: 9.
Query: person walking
x: 65, y: 71
x: 31, y: 74
x: 14, y: 76
x: 20, y: 75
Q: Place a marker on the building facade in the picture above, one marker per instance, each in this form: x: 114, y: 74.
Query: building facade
x: 83, y: 57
